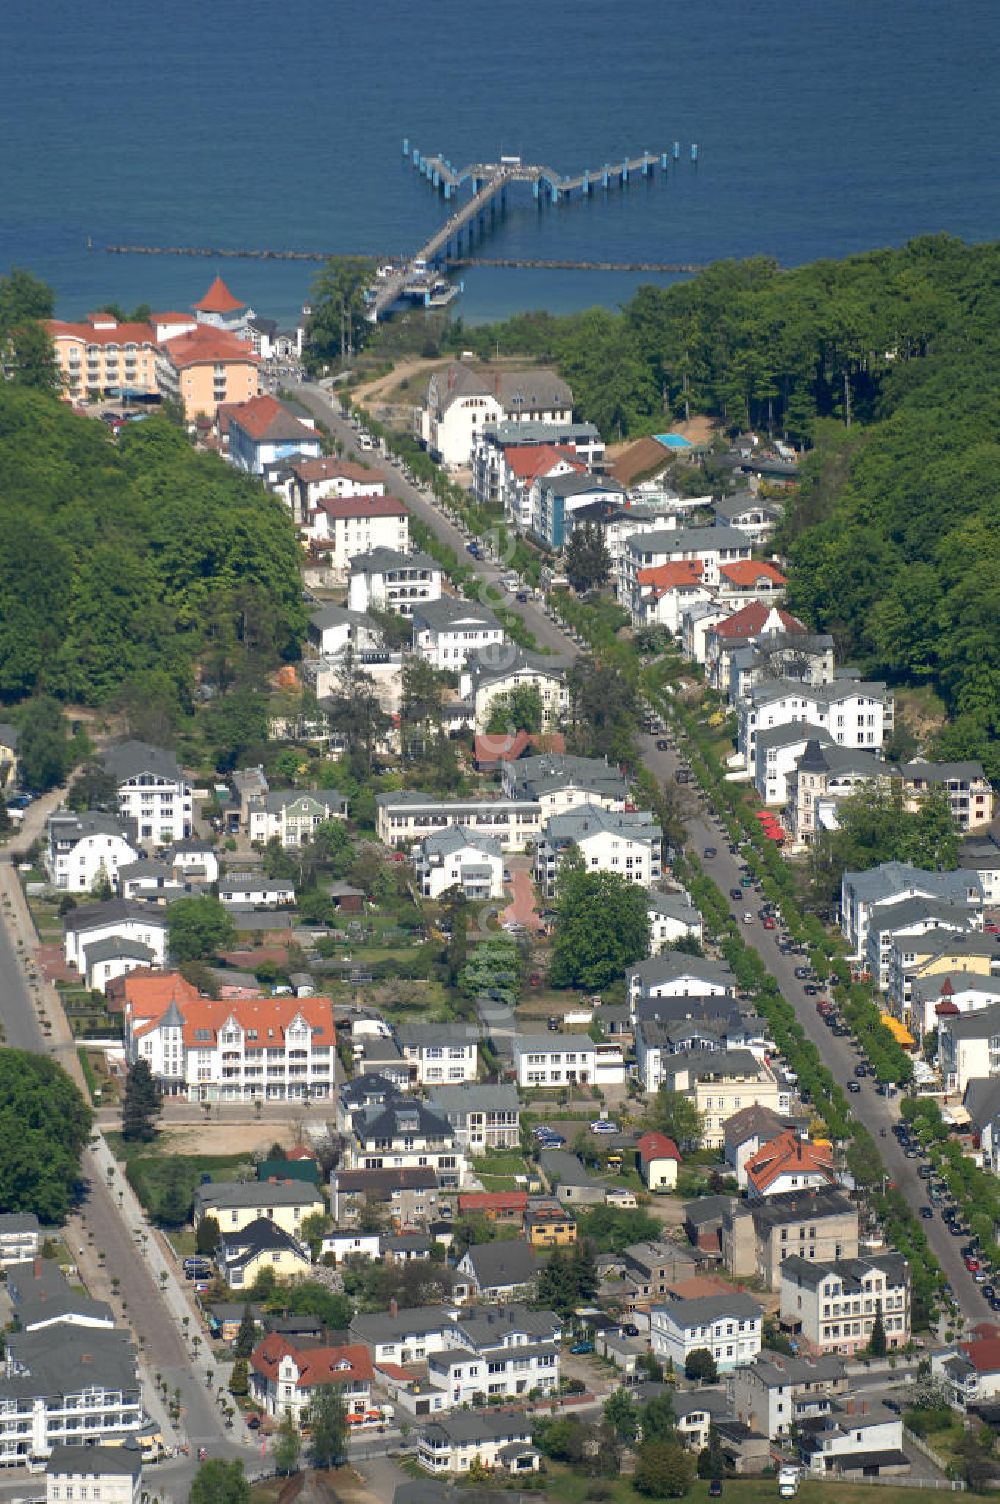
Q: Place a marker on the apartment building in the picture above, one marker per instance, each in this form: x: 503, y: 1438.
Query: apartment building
x: 405, y: 816
x: 628, y: 843
x: 898, y: 930
x: 559, y: 782
x: 832, y: 1307
x: 776, y: 1394
x: 292, y: 816
x: 142, y: 926
x: 206, y: 368
x: 152, y: 790
x: 391, y: 579
x: 238, y: 1204
x: 708, y: 547
x: 821, y: 776
x: 344, y: 528
x: 502, y: 1441
x: 447, y: 631
x: 757, y: 1237
x: 673, y: 974
x: 460, y: 857
x: 406, y: 1134
x: 20, y: 1237
x: 855, y: 712
x: 894, y: 883
x: 285, y: 1377
x: 968, y: 1047
x: 544, y: 1060
x: 66, y: 1385
x: 439, y: 1053
x: 491, y: 470
x: 408, y: 1197
x: 496, y: 671
x: 105, y: 1475
x: 104, y: 357
x: 788, y: 1163
x: 517, y: 471
x: 969, y: 791
x: 84, y: 850
x: 264, y: 431
x: 922, y: 961
x: 267, y: 1049
x: 672, y: 917
x: 729, y: 1326
x: 483, y: 1116
x: 465, y: 397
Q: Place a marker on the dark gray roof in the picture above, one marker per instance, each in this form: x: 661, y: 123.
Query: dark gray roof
x: 714, y: 1401
x: 489, y: 1326
x: 238, y: 1193
x: 13, y: 1222
x: 465, y: 1426
x: 981, y: 1024
x: 851, y: 1272
x: 39, y: 1292
x: 72, y: 827
x: 401, y: 1117
x: 563, y: 1168
x: 672, y: 964
x: 260, y: 1236
x: 380, y: 560
x: 473, y: 1096
x: 9, y: 735
x: 382, y: 1326
x: 688, y: 540
x: 115, y: 947
x: 114, y: 911
x: 707, y: 1209
x: 500, y: 660
x: 801, y: 1206
x: 710, y: 1307
x: 448, y: 612
x: 120, y: 1462
x: 776, y: 1371
x: 501, y: 1264
x: 63, y: 1360
x: 128, y: 759
x: 457, y: 838
x: 822, y: 756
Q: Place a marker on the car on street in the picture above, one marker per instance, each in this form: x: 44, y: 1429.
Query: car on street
x: 736, y: 894
x: 803, y: 973
x: 852, y: 1086
x: 861, y: 1070
x: 972, y: 1265
x: 768, y: 922
x: 810, y: 989
x: 927, y: 1212
x: 551, y: 1141
x: 747, y: 917
x: 662, y: 744
x: 709, y: 852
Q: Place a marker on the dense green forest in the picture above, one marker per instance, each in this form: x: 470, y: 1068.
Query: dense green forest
x: 122, y: 564
x: 887, y: 367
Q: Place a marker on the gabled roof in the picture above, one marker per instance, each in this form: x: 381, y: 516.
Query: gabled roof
x: 265, y: 418
x: 218, y: 299
x: 747, y: 572
x: 329, y: 467
x: 347, y: 507
x: 530, y: 461
x: 265, y: 1021
x: 755, y: 1121
x: 662, y: 578
x: 788, y: 1154
x: 503, y: 1264
x: 652, y: 1146
x: 128, y: 759
x: 316, y: 1365
x: 752, y: 618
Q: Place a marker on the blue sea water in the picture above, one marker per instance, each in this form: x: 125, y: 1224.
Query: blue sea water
x: 823, y: 126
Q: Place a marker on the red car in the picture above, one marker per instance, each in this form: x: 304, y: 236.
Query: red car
x: 769, y: 923
x: 972, y: 1265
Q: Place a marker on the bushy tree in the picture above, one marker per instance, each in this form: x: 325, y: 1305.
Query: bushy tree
x: 700, y: 1367
x: 663, y: 1470
x: 43, y: 746
x: 588, y: 563
x: 602, y: 927
x: 520, y: 709
x: 44, y: 1125
x: 621, y: 1414
x: 878, y: 1345
x: 219, y: 1482
x: 199, y: 928
x: 246, y: 1336
x: 206, y: 1239
x: 287, y: 1445
x: 677, y: 1116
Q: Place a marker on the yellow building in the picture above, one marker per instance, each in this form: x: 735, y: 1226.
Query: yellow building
x: 243, y: 1255
x: 236, y: 1205
x: 207, y: 367
x: 104, y: 358
x: 547, y: 1224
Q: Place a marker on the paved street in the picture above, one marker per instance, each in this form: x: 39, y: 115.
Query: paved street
x: 873, y: 1111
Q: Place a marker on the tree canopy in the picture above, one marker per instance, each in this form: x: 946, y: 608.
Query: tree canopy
x: 602, y: 926
x: 118, y: 558
x: 199, y: 928
x: 44, y: 1125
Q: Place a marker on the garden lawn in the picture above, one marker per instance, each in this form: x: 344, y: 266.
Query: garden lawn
x: 573, y: 1488
x: 498, y: 1171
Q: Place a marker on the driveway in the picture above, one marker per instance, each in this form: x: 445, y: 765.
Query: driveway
x: 522, y: 908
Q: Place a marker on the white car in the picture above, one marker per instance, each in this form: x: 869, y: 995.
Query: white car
x: 601, y: 1125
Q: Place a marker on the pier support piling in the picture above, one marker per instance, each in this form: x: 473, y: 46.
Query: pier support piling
x: 406, y: 147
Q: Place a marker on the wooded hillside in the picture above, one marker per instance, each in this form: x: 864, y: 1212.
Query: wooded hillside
x: 118, y: 560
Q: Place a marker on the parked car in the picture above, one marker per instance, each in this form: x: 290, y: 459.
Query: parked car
x: 736, y: 894
x: 853, y: 1087
x: 709, y: 852
x: 927, y: 1212
x: 603, y: 1125
x: 579, y: 1348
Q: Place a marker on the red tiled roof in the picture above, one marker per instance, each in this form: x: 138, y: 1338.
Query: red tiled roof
x: 747, y: 572
x: 170, y: 316
x: 656, y: 1146
x: 984, y: 1355
x: 260, y: 417
x: 788, y: 1154
x: 947, y: 1009
x: 493, y: 1201
x: 750, y: 620
x: 151, y: 994
x: 316, y: 1365
x: 301, y: 1152
x: 497, y: 746
x: 528, y: 461
x: 361, y: 506
x: 204, y: 344
x: 218, y: 299
x: 674, y: 576
x: 117, y: 334
x: 270, y: 1016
